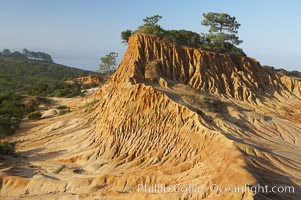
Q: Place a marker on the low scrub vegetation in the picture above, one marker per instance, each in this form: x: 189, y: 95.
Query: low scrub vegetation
x: 35, y: 115
x: 62, y: 107
x: 36, y: 78
x: 7, y: 148
x: 212, y: 105
x: 11, y: 111
x: 201, y: 101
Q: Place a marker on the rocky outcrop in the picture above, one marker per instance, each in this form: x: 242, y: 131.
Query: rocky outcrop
x: 87, y: 80
x: 219, y: 74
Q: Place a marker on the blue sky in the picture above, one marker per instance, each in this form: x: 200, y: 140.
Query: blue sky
x: 78, y: 32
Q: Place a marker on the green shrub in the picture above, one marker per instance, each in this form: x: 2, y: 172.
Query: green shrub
x: 11, y: 111
x: 34, y: 115
x: 7, y: 148
x: 183, y: 37
x: 29, y: 109
x: 212, y: 105
x: 125, y: 35
x: 62, y: 107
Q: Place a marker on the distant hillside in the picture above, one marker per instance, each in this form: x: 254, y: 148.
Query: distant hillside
x: 39, y: 78
x: 26, y: 55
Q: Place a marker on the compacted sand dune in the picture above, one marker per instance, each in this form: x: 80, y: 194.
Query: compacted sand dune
x: 172, y: 123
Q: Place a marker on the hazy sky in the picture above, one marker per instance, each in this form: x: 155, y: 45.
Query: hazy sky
x: 78, y: 32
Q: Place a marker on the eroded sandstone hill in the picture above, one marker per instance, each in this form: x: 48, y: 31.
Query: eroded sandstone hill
x: 171, y: 116
x: 240, y: 78
x: 87, y: 80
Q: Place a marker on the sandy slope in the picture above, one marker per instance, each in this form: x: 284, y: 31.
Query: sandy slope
x: 239, y: 147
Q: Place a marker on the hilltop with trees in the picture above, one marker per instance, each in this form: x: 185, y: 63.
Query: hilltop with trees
x: 26, y: 55
x: 27, y: 77
x: 221, y: 37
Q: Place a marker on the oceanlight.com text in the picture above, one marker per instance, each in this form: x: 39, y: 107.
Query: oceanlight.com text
x: 213, y: 188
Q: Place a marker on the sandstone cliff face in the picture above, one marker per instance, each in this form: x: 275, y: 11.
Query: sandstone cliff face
x: 219, y: 74
x: 89, y: 80
x: 174, y: 116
